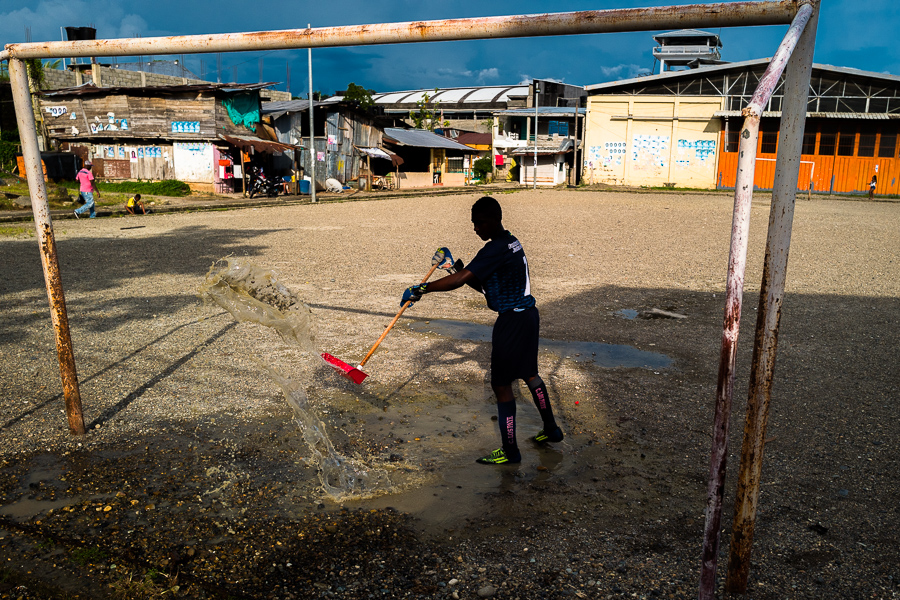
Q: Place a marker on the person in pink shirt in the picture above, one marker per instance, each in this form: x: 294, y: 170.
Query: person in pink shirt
x: 87, y: 190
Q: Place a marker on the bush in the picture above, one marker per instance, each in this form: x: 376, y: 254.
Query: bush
x: 168, y: 187
x: 8, y: 151
x: 482, y: 167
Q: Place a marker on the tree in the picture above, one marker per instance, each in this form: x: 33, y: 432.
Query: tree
x: 425, y: 116
x: 481, y: 168
x: 360, y: 95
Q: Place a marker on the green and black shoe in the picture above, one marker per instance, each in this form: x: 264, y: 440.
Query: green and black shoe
x: 501, y: 457
x: 544, y: 437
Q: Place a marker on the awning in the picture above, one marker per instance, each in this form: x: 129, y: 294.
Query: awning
x: 381, y: 153
x: 816, y: 115
x: 540, y: 152
x: 246, y: 143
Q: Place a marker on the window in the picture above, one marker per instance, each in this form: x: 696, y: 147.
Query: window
x: 846, y: 142
x: 888, y: 145
x: 867, y: 140
x: 455, y: 164
x: 732, y: 141
x: 809, y: 142
x: 769, y: 142
x: 826, y: 143
x: 563, y: 129
x: 553, y: 128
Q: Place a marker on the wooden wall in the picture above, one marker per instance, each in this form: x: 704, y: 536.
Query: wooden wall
x: 827, y: 172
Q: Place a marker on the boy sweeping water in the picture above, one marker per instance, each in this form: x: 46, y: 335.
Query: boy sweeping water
x: 500, y: 272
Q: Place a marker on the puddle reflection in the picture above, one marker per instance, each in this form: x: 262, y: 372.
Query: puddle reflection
x: 603, y: 355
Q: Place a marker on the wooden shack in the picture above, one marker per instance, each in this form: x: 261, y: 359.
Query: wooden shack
x: 153, y: 133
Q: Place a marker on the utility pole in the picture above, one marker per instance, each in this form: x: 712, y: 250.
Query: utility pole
x: 312, y: 129
x: 537, y: 90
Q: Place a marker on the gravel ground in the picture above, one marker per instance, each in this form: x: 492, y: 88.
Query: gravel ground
x: 193, y: 481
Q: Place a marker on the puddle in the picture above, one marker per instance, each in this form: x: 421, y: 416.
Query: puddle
x: 608, y: 356
x: 627, y: 313
x: 25, y: 509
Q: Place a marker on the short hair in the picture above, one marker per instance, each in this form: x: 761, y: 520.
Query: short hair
x: 137, y: 196
x: 487, y: 207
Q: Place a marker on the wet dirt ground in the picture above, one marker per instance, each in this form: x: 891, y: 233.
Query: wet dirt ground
x: 194, y: 481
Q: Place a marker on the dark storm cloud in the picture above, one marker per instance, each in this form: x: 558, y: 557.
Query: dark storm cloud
x: 845, y: 39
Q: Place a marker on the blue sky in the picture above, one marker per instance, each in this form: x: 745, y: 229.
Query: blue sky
x: 848, y: 36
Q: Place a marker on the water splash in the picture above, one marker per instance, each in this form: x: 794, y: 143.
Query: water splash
x: 340, y: 476
x: 255, y: 295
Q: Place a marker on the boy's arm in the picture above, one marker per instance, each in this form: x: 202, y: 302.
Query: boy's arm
x: 454, y: 281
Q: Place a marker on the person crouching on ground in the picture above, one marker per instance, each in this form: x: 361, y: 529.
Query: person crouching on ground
x: 500, y: 272
x: 87, y: 191
x: 134, y: 205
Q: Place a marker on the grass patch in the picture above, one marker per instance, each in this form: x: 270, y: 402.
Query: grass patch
x: 86, y: 556
x: 15, y: 230
x: 168, y: 187
x: 153, y: 585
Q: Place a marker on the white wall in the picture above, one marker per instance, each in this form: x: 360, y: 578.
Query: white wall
x: 194, y: 162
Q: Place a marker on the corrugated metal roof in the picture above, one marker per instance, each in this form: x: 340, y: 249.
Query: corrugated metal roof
x: 462, y: 95
x: 543, y: 111
x: 817, y: 115
x: 90, y: 89
x: 672, y: 75
x: 420, y: 138
x: 244, y: 142
x: 281, y: 107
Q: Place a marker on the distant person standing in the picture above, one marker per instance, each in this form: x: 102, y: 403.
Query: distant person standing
x: 872, y: 185
x: 87, y: 190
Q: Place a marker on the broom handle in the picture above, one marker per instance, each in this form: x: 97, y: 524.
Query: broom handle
x: 402, y: 308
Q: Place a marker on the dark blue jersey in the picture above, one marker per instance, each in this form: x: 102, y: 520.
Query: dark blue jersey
x: 502, y: 271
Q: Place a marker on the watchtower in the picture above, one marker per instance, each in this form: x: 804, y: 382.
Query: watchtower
x: 686, y: 48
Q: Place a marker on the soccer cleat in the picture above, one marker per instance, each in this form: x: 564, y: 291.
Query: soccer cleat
x: 554, y: 436
x: 500, y: 457
x: 76, y: 214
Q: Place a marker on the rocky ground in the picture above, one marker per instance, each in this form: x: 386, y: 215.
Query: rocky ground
x: 194, y: 481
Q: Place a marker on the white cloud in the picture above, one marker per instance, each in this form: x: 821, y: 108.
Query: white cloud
x: 623, y: 71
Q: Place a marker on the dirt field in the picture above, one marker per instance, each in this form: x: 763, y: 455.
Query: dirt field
x: 194, y: 481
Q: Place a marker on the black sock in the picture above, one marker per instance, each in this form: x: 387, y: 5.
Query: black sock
x: 506, y: 415
x: 542, y: 402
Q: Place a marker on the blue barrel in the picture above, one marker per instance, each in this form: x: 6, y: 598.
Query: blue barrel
x: 304, y: 186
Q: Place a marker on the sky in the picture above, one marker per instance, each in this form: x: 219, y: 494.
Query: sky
x: 848, y: 36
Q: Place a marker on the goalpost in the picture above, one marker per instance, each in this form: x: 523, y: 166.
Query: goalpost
x: 793, y: 59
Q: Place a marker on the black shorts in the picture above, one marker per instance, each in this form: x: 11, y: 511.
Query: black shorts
x: 514, y: 346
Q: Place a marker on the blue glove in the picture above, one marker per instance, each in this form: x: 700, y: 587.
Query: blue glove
x: 443, y: 259
x: 413, y: 293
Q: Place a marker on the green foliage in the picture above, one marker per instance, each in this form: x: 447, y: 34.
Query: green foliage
x: 360, y: 95
x: 86, y: 556
x: 8, y: 151
x: 424, y: 116
x: 168, y: 187
x: 35, y: 68
x: 482, y: 167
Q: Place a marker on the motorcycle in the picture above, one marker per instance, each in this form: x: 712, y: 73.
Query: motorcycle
x: 261, y: 185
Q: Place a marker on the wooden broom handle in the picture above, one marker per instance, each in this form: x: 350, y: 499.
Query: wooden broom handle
x: 389, y: 327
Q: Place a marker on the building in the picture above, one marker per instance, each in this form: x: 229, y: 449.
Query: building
x: 344, y: 139
x: 680, y: 128
x: 428, y: 159
x: 514, y: 144
x: 190, y: 133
